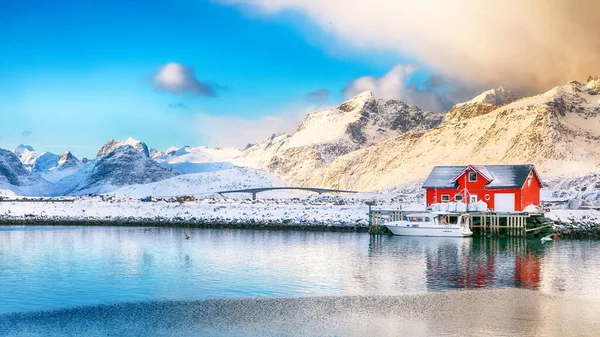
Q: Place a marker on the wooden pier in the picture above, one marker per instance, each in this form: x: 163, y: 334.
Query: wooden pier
x: 481, y: 223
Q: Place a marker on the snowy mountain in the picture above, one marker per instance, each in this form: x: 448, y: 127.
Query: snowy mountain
x: 14, y: 176
x: 558, y: 131
x: 198, y: 159
x: 328, y: 134
x: 124, y: 165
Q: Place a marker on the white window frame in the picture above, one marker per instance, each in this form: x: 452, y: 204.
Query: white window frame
x: 470, y: 180
x: 458, y: 195
x: 447, y: 196
x: 472, y: 198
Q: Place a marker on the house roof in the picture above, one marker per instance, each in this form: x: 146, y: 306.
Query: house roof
x: 501, y: 176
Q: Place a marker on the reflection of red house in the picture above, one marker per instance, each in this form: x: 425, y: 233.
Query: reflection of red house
x: 504, y: 188
x: 527, y: 272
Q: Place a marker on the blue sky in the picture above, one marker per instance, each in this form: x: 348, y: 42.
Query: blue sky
x: 74, y: 74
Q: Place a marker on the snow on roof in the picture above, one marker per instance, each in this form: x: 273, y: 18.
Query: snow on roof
x: 502, y: 176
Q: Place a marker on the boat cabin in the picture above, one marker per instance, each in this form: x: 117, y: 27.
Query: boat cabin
x: 504, y: 188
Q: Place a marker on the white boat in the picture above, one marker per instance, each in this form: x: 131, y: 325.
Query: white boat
x: 431, y: 224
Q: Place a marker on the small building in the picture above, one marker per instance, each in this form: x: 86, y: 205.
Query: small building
x: 504, y: 188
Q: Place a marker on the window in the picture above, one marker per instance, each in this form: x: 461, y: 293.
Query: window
x: 472, y: 177
x: 473, y: 199
x: 458, y: 197
x: 453, y: 220
x: 445, y: 197
x: 530, y: 174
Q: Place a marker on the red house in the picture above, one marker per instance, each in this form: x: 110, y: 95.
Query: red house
x: 504, y: 188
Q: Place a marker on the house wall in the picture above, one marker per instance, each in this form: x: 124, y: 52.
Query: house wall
x: 529, y: 194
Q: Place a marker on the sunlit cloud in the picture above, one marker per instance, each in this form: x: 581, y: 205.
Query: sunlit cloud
x: 526, y: 45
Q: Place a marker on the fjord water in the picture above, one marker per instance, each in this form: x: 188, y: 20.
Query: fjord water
x: 44, y: 270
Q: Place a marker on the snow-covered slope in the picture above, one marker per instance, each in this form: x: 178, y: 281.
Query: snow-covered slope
x: 261, y: 153
x: 558, y: 131
x: 198, y: 159
x: 44, y: 162
x: 482, y: 104
x: 328, y: 134
x: 207, y: 182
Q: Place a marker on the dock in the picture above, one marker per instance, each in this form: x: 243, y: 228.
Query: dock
x: 481, y: 223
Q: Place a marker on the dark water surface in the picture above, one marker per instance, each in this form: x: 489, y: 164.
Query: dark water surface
x: 118, y: 280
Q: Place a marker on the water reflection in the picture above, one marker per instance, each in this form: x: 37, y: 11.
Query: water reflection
x: 49, y: 268
x: 468, y: 262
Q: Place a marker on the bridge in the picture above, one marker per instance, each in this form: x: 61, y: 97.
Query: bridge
x: 256, y: 190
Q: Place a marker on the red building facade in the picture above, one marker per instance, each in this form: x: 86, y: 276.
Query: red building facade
x: 504, y: 188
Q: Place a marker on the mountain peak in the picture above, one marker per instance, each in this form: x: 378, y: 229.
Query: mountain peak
x: 112, y: 145
x: 66, y: 157
x: 22, y: 148
x: 498, y: 96
x: 357, y: 102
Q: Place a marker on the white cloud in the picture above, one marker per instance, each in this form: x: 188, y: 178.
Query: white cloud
x: 177, y: 78
x: 389, y: 86
x: 531, y: 44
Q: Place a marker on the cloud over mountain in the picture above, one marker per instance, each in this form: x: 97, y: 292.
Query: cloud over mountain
x: 526, y: 45
x: 393, y: 85
x: 177, y: 78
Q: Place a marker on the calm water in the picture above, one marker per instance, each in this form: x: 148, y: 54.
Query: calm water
x: 49, y: 268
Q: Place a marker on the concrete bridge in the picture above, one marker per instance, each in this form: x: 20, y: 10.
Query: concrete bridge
x: 256, y: 190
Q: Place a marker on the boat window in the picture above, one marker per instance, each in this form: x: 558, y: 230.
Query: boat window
x: 426, y: 219
x: 445, y: 197
x: 453, y: 219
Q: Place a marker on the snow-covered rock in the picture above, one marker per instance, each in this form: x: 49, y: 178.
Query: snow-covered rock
x: 482, y: 104
x: 593, y: 85
x: 112, y: 144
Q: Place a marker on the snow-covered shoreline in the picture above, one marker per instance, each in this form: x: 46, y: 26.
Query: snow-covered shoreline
x: 334, y: 212
x: 324, y: 213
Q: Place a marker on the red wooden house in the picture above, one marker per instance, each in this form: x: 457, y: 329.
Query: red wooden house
x: 504, y: 188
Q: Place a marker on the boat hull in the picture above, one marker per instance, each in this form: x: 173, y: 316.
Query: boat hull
x: 452, y: 231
